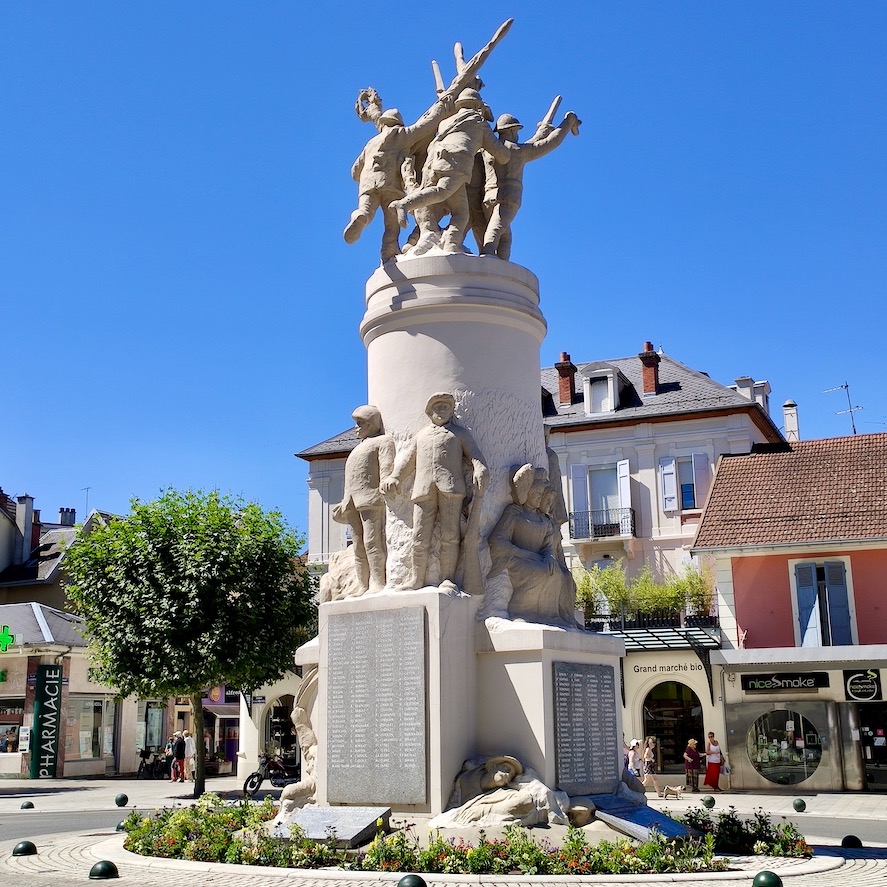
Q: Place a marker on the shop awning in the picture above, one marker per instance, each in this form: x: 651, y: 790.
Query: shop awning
x: 223, y: 709
x: 638, y: 639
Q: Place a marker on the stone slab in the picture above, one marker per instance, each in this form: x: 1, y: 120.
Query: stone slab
x: 376, y: 700
x: 636, y: 820
x: 352, y: 826
x: 587, y: 755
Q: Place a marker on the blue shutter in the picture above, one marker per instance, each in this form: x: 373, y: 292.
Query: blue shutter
x: 669, y: 483
x: 838, y: 603
x: 808, y: 611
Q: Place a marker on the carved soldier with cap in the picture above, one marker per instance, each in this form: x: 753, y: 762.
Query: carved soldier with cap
x: 439, y: 454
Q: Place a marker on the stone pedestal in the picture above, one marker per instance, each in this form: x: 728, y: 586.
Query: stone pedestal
x: 395, y: 714
x: 548, y: 697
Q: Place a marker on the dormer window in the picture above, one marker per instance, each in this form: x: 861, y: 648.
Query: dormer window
x: 601, y: 385
x: 601, y: 399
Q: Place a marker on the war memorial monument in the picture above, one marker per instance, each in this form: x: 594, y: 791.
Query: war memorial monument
x: 449, y: 672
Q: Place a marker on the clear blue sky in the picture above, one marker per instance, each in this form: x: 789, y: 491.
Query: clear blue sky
x: 179, y: 307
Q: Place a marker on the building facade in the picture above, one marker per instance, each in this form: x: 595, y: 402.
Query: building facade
x: 798, y: 532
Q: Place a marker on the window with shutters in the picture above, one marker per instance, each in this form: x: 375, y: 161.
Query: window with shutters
x: 822, y: 603
x: 601, y: 501
x: 684, y: 481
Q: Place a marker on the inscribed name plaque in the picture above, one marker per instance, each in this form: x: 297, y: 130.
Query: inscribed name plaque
x: 587, y: 756
x: 376, y: 707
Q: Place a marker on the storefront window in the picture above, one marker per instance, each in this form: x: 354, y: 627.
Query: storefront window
x: 784, y: 747
x: 89, y: 729
x: 11, y: 718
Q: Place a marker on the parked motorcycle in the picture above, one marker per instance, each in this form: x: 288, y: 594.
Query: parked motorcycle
x: 274, y: 769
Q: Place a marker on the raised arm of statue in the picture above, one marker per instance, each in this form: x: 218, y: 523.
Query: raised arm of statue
x: 540, y: 144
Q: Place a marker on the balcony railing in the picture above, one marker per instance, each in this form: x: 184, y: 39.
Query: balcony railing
x: 659, y: 619
x: 602, y: 524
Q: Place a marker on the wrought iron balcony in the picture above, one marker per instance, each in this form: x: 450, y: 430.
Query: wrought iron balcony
x: 602, y: 524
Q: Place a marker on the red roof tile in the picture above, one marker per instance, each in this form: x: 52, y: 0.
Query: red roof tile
x: 809, y: 491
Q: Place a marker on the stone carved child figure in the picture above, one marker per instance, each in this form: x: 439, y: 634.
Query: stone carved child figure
x: 440, y: 454
x: 362, y: 506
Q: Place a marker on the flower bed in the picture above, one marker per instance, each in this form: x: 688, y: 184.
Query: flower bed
x: 214, y: 831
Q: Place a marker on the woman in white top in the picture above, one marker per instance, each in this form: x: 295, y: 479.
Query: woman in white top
x: 712, y: 764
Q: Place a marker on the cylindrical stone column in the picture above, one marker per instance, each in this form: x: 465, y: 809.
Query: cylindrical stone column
x: 470, y: 326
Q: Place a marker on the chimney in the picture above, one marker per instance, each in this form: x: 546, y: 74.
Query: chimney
x: 566, y: 383
x: 790, y: 421
x: 24, y: 523
x: 650, y: 359
x: 745, y: 386
x: 67, y: 516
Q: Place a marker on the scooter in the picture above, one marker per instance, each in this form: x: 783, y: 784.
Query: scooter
x: 272, y: 768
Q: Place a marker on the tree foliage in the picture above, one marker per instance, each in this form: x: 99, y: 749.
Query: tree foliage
x: 189, y: 591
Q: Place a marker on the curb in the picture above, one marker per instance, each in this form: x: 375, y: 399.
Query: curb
x: 112, y: 849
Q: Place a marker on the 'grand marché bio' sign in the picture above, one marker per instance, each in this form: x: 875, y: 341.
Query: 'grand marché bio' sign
x: 784, y: 682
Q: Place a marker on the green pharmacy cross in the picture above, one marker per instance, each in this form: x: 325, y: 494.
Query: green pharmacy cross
x: 7, y: 638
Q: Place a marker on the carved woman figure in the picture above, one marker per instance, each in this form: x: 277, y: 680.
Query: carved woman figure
x: 525, y: 543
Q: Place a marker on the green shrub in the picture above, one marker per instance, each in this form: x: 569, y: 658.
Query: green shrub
x: 733, y: 834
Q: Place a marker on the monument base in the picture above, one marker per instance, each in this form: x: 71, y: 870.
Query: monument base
x: 395, y: 714
x: 411, y: 685
x: 548, y: 697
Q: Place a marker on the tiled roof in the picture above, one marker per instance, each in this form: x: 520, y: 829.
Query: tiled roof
x: 834, y: 489
x: 681, y: 391
x: 37, y: 625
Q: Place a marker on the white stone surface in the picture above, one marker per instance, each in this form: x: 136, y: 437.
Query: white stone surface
x: 515, y: 681
x: 451, y: 689
x: 471, y: 326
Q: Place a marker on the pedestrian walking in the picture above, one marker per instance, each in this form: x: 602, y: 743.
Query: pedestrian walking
x: 178, y: 758
x: 190, y: 756
x: 713, y: 761
x: 650, y: 763
x: 691, y: 765
x: 635, y: 757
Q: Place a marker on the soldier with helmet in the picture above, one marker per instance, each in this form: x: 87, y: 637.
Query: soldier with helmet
x: 447, y: 171
x: 505, y: 188
x: 377, y: 170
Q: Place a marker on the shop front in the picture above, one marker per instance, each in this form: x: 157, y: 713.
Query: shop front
x: 670, y: 695
x: 817, y: 724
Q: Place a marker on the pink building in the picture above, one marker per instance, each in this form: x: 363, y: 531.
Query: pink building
x: 799, y: 536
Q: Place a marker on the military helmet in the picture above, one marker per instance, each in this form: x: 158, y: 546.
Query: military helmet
x: 508, y: 121
x: 392, y: 115
x: 470, y: 97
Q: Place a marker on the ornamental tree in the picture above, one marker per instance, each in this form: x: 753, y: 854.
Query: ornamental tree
x: 189, y: 591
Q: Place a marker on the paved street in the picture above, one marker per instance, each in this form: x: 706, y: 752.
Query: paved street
x: 65, y: 859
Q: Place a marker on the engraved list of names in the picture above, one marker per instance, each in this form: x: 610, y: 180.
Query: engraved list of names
x: 376, y: 740
x: 587, y: 757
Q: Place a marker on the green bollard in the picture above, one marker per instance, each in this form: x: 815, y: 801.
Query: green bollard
x: 708, y: 801
x: 104, y: 868
x: 799, y: 804
x: 24, y: 848
x: 121, y: 800
x: 767, y: 879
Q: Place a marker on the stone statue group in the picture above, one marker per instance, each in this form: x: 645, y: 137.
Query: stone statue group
x: 449, y: 163
x: 449, y: 478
